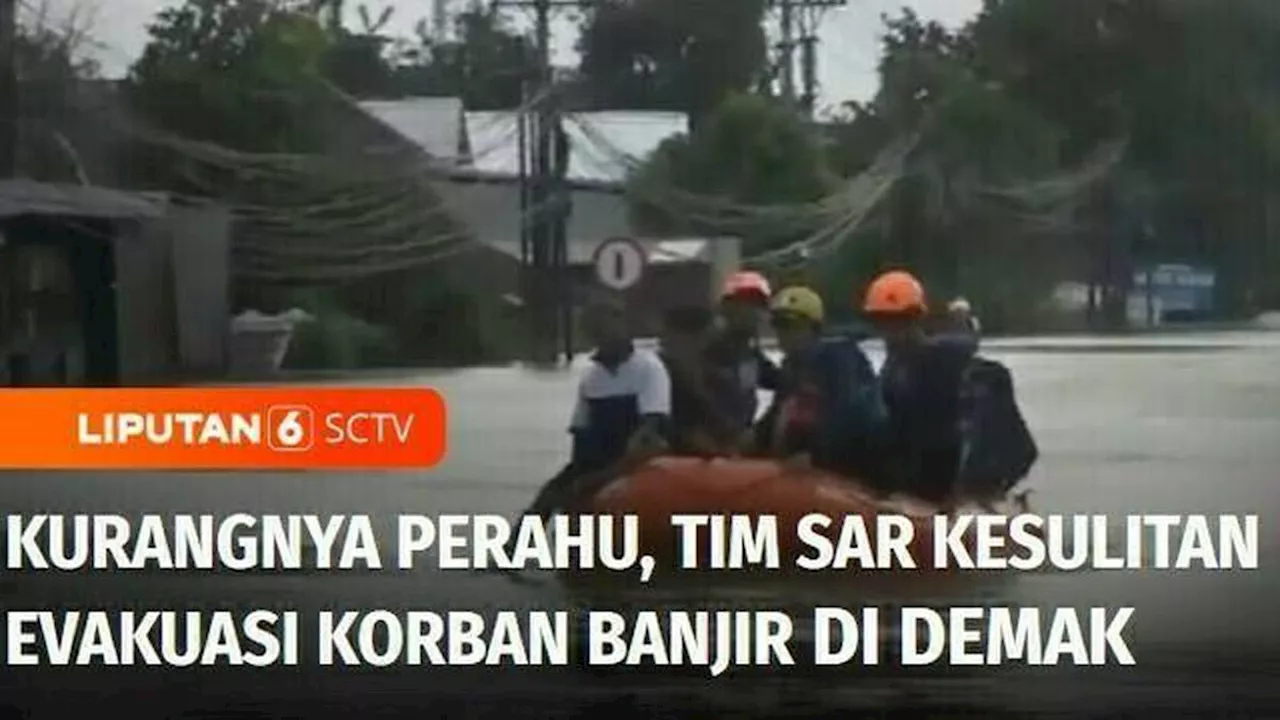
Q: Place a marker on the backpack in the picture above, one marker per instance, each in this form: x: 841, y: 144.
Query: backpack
x: 998, y: 449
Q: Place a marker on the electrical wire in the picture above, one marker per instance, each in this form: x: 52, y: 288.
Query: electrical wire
x: 1037, y: 201
x: 344, y: 217
x: 286, y: 236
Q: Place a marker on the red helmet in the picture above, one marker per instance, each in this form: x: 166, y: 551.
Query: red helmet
x: 746, y: 284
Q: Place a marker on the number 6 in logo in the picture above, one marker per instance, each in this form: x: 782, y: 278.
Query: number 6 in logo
x: 290, y: 428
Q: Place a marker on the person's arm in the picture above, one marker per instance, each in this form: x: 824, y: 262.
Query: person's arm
x: 577, y: 424
x: 653, y: 397
x: 769, y: 375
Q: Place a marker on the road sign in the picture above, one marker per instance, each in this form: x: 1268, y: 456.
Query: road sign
x: 620, y: 263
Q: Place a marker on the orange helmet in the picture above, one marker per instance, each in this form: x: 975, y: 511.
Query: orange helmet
x: 895, y: 293
x: 746, y: 284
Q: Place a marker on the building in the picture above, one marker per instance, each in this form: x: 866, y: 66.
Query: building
x: 104, y: 287
x: 478, y: 154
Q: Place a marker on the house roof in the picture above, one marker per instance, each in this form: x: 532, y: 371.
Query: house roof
x: 603, y: 146
x: 481, y: 190
x: 28, y: 197
x: 435, y: 124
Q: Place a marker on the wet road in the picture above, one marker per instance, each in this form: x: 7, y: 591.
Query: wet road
x: 1171, y: 425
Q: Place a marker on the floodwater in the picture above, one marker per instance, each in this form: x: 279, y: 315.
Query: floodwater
x: 1186, y: 424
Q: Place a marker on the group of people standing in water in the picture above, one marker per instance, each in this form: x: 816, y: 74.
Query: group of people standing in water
x: 938, y: 421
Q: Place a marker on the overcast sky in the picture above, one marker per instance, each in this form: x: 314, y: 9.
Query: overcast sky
x: 847, y: 54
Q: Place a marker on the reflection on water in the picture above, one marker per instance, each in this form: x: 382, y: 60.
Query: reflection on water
x: 1120, y: 432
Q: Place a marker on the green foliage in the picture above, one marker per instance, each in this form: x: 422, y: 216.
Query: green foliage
x: 254, y: 76
x: 752, y: 151
x: 50, y: 63
x: 1028, y: 90
x: 685, y: 55
x: 242, y: 73
x: 486, y: 66
x: 337, y: 340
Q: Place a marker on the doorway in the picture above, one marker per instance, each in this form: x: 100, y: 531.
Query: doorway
x: 87, y: 306
x: 94, y: 271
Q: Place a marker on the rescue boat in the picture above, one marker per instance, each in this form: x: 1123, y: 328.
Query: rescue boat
x: 671, y: 486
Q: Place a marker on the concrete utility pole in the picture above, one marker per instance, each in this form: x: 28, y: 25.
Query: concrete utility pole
x: 804, y: 16
x: 8, y: 88
x: 786, y: 46
x: 544, y: 201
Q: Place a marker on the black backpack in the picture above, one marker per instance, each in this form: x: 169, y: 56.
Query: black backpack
x: 998, y: 448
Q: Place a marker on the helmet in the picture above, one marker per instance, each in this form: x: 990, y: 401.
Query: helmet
x: 746, y: 284
x: 799, y: 301
x: 960, y: 305
x: 895, y: 293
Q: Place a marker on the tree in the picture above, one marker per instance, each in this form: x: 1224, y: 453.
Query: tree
x: 1190, y: 82
x: 488, y: 65
x: 672, y: 54
x: 943, y: 219
x: 51, y: 68
x: 355, y: 233
x: 752, y: 151
x: 356, y: 60
x: 211, y: 65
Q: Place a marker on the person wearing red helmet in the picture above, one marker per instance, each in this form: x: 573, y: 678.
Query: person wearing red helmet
x: 735, y: 352
x: 700, y: 420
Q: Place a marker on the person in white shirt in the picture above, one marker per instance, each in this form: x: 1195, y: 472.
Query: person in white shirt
x: 962, y: 317
x: 620, y: 416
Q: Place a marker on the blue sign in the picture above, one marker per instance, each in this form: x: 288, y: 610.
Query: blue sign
x: 1180, y: 288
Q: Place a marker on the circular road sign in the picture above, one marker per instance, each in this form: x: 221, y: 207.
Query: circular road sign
x: 620, y: 263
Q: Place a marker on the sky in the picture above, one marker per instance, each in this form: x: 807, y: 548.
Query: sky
x: 847, y: 53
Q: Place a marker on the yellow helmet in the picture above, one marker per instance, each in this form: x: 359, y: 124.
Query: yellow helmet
x: 798, y: 301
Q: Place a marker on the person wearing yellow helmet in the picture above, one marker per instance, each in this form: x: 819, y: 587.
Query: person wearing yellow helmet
x: 827, y: 407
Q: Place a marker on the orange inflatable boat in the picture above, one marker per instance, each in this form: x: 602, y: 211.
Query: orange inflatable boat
x: 669, y: 486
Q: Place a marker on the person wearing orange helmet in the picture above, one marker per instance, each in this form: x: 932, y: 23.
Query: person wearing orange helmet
x: 921, y: 379
x: 735, y: 352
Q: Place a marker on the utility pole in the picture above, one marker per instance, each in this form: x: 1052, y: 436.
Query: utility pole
x: 786, y: 46
x: 544, y: 200
x: 804, y: 16
x: 809, y: 73
x: 8, y: 88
